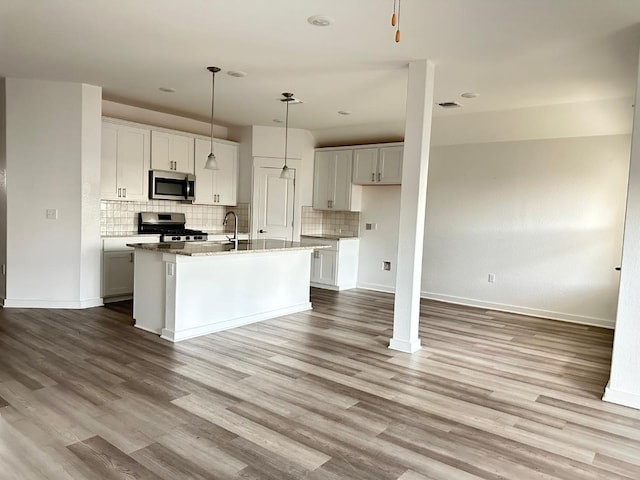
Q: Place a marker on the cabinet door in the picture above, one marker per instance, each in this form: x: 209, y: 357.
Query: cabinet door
x: 109, y: 162
x: 182, y: 153
x: 161, y: 151
x: 226, y: 179
x: 342, y: 180
x: 365, y: 162
x: 117, y: 273
x: 323, y: 180
x: 326, y: 267
x: 390, y: 165
x: 133, y: 163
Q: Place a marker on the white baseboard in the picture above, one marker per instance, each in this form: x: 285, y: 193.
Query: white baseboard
x: 173, y: 336
x: 377, y: 287
x: 534, y: 312
x: 501, y: 307
x: 405, y: 345
x: 618, y: 397
x: 71, y: 304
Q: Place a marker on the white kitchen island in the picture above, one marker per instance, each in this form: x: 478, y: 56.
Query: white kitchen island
x: 184, y: 290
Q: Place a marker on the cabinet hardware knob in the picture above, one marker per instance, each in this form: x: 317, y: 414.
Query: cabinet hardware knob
x: 124, y: 192
x: 373, y: 177
x: 262, y: 231
x: 379, y: 176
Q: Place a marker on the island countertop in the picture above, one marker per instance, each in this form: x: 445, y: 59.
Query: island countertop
x: 198, y: 249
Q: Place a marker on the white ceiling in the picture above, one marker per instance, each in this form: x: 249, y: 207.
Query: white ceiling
x: 514, y: 53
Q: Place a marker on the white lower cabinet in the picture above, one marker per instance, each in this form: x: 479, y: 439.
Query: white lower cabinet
x: 117, y: 266
x: 335, y: 267
x: 117, y: 273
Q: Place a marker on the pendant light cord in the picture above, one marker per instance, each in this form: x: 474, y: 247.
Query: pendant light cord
x: 213, y: 89
x: 286, y: 132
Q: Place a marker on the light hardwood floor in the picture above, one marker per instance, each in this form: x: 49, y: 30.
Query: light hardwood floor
x: 315, y: 395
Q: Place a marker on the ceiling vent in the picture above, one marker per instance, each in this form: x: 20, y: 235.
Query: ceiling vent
x: 450, y: 105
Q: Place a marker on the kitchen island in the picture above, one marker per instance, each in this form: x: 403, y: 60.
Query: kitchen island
x: 187, y: 289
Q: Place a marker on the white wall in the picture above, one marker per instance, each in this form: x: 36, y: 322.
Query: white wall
x: 161, y: 119
x: 624, y: 383
x: 53, y: 162
x: 3, y: 187
x: 545, y: 216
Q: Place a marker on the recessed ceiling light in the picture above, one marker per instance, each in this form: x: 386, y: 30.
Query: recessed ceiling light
x: 277, y: 120
x: 470, y: 95
x: 167, y: 89
x: 344, y: 112
x: 320, y: 20
x: 237, y: 73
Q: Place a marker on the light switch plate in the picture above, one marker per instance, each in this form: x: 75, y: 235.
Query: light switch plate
x: 52, y: 213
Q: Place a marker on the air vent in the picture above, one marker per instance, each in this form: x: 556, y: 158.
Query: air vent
x: 450, y: 105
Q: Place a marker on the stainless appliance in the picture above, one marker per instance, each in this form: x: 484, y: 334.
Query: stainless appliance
x: 164, y: 185
x: 170, y: 226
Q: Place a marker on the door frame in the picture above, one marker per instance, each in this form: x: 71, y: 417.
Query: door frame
x: 274, y: 162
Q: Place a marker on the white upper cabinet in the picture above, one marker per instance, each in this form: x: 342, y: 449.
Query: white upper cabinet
x: 332, y: 188
x: 377, y: 166
x: 124, y: 162
x: 171, y: 151
x: 216, y: 187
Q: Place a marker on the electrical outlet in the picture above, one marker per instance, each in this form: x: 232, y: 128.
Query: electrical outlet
x: 52, y: 213
x: 491, y: 278
x: 386, y: 266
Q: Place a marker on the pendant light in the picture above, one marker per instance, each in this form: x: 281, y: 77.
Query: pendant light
x: 395, y: 19
x: 285, y: 174
x: 212, y: 163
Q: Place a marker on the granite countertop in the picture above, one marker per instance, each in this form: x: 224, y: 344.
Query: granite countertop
x: 199, y: 249
x: 327, y: 236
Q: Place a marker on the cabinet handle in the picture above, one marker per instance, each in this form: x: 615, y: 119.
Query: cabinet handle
x: 119, y: 192
x: 373, y: 177
x: 379, y: 176
x: 131, y: 257
x: 316, y: 254
x: 262, y: 231
x: 124, y: 192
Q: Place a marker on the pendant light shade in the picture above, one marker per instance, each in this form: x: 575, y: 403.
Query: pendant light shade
x: 285, y: 174
x: 212, y: 162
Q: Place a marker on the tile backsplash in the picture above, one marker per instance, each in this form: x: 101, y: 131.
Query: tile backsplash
x: 121, y: 218
x: 315, y: 222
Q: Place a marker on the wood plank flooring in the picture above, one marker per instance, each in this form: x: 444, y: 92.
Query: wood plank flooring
x: 315, y: 395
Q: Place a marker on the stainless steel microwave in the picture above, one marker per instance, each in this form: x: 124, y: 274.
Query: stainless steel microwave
x: 165, y: 185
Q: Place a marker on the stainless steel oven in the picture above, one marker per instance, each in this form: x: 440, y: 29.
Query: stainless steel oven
x: 165, y: 185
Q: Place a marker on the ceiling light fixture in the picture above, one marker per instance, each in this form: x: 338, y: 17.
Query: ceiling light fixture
x: 288, y: 98
x: 237, y: 73
x: 469, y: 95
x: 395, y: 19
x: 344, y: 112
x: 320, y: 20
x: 212, y: 163
x: 167, y: 89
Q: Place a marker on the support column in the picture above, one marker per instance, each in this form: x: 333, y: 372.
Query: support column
x: 624, y: 382
x: 413, y: 197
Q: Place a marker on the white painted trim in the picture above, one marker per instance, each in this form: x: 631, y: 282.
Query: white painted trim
x: 534, y: 312
x: 618, y: 397
x: 405, y: 346
x: 501, y: 307
x: 219, y: 326
x: 151, y: 330
x: 72, y: 304
x: 376, y: 287
x: 119, y: 298
x: 325, y: 286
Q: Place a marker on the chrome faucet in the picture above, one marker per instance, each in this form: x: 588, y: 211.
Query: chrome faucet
x: 233, y: 240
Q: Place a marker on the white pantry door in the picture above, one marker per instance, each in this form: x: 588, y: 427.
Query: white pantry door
x: 273, y: 203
